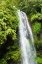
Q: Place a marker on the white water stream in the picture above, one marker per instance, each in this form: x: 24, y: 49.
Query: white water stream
x: 28, y: 52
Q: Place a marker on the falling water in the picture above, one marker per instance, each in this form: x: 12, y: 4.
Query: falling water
x: 28, y: 52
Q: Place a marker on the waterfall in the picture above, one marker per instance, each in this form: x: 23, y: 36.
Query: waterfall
x: 28, y: 52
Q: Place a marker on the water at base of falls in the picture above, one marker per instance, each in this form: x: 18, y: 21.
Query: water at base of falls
x: 28, y: 52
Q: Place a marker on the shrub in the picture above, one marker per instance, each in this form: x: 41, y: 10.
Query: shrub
x: 36, y: 27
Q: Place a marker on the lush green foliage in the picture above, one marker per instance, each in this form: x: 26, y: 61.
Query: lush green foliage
x: 36, y: 28
x: 39, y: 60
x: 36, y: 16
x: 9, y: 46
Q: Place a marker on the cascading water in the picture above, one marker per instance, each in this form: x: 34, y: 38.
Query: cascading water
x: 28, y: 52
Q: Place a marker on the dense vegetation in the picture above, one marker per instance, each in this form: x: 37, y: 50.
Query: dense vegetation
x: 9, y: 22
x: 9, y: 49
